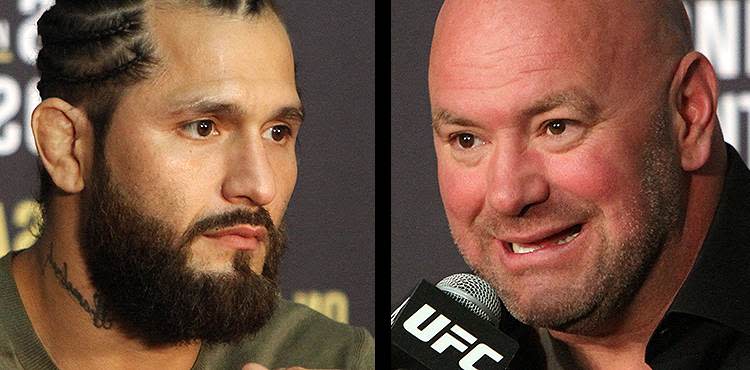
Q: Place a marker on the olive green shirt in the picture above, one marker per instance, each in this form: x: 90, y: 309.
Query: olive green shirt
x: 295, y: 336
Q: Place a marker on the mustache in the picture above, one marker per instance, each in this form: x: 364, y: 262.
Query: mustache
x: 259, y: 217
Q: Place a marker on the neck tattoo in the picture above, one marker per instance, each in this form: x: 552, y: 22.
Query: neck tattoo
x: 98, y: 313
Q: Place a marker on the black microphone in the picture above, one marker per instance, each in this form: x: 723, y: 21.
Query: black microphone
x: 453, y: 325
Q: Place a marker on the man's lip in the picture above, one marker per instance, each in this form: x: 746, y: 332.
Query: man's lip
x: 243, y: 231
x: 552, y: 256
x: 537, y: 237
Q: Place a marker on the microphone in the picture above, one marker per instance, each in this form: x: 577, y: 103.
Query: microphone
x: 474, y: 293
x: 451, y: 325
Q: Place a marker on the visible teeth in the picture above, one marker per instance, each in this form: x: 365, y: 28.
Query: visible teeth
x: 567, y: 239
x: 520, y: 249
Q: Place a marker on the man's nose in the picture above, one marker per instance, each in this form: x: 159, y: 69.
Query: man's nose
x: 517, y: 181
x: 250, y: 177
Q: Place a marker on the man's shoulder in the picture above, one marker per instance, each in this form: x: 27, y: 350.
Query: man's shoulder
x: 298, y: 335
x: 296, y: 323
x: 18, y: 341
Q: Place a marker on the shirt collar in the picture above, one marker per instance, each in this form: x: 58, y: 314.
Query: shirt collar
x: 718, y: 286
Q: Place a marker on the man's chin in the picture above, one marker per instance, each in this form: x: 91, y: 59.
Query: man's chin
x: 207, y: 259
x: 212, y: 265
x: 212, y: 268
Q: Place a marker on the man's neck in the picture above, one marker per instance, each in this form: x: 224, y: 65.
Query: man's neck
x: 75, y: 331
x: 99, y: 314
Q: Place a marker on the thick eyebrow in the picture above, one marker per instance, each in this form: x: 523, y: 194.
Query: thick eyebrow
x: 442, y: 117
x: 575, y: 99
x: 212, y: 107
x: 236, y: 112
x: 291, y: 113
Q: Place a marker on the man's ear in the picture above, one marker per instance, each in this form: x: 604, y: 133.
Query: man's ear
x: 694, y: 93
x: 64, y: 138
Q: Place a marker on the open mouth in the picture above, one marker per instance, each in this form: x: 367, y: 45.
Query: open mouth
x: 564, y: 237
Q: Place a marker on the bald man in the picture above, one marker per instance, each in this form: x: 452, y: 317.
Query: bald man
x: 584, y: 175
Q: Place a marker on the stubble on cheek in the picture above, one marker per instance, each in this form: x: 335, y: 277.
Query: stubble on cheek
x: 556, y: 298
x: 582, y: 298
x: 539, y: 296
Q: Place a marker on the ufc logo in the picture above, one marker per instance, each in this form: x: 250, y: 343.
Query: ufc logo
x: 460, y: 341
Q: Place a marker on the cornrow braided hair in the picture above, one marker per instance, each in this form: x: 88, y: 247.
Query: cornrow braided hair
x: 94, y: 49
x: 88, y: 44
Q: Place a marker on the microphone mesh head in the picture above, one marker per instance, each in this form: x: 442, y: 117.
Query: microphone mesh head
x: 473, y: 293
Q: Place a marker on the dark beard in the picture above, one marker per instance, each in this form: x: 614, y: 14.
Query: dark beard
x: 139, y: 267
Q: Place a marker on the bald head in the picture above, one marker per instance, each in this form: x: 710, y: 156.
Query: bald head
x: 619, y: 44
x: 661, y: 21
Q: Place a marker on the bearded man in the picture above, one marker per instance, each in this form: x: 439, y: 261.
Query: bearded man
x: 166, y: 137
x: 584, y: 175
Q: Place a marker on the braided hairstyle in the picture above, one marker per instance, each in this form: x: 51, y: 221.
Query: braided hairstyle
x: 94, y: 49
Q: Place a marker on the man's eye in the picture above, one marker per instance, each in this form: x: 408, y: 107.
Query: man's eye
x: 466, y: 140
x: 278, y: 133
x: 557, y: 126
x: 562, y: 134
x: 201, y: 128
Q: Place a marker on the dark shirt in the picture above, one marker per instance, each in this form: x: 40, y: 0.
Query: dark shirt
x: 707, y: 325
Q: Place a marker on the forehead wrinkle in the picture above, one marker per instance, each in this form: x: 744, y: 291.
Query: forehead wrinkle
x: 523, y: 43
x: 541, y: 38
